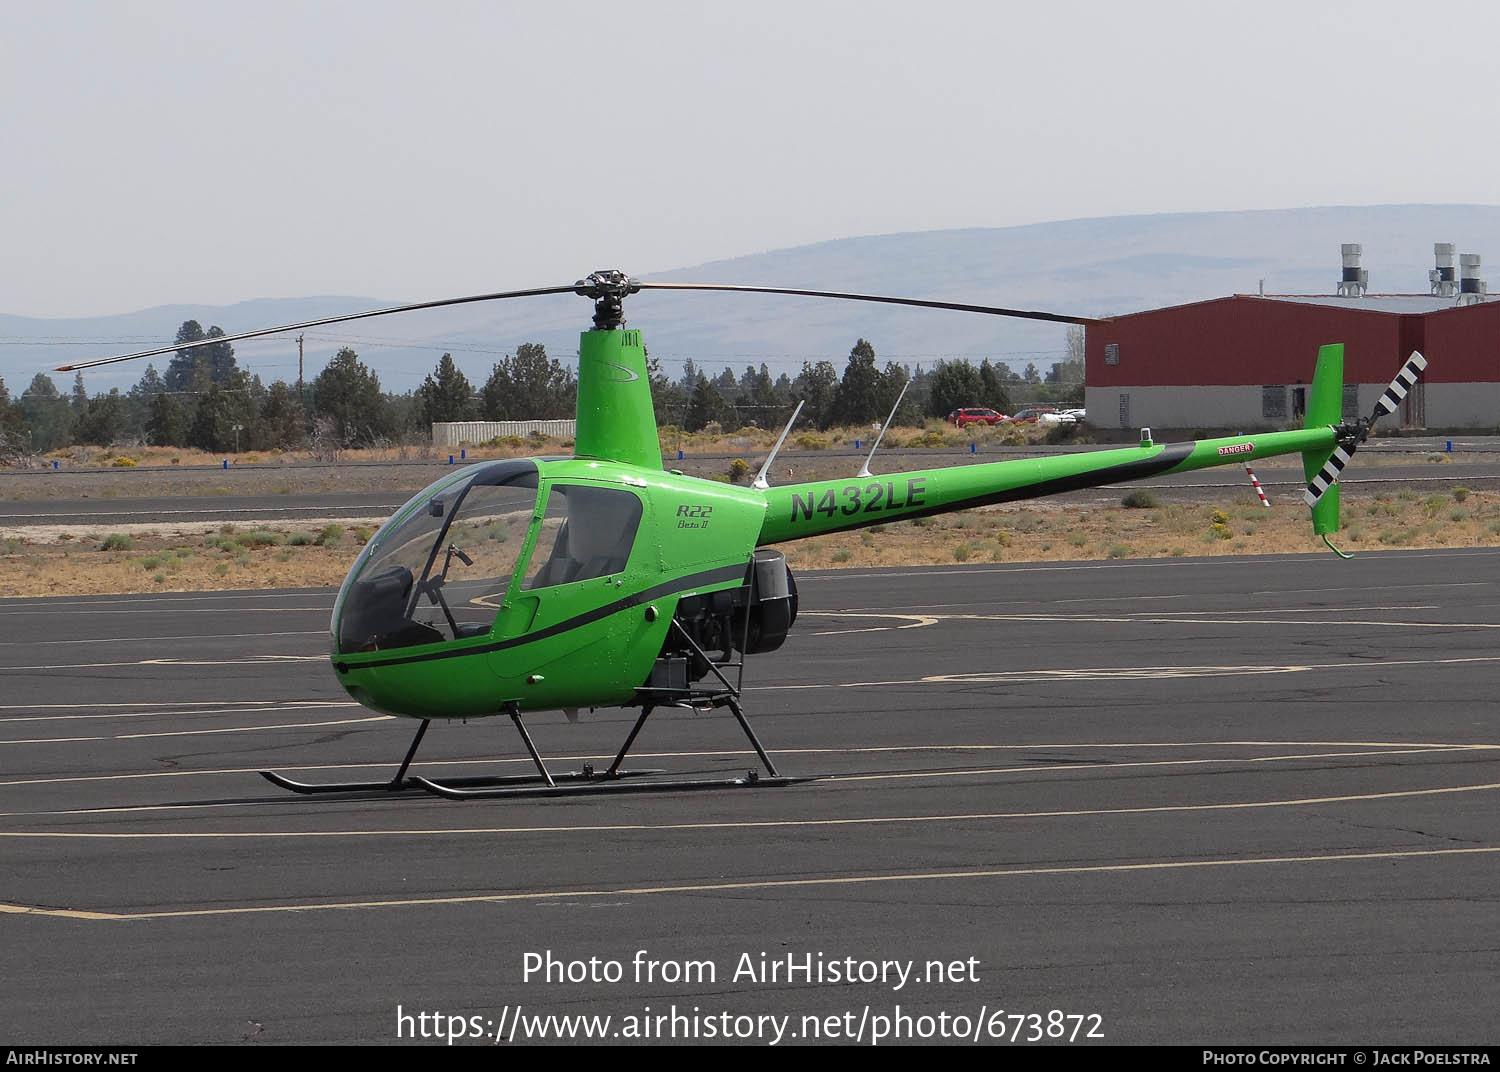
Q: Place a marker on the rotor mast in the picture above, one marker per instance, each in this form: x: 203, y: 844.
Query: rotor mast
x: 616, y: 416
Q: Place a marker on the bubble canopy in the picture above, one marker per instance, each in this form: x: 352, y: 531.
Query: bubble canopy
x: 440, y: 569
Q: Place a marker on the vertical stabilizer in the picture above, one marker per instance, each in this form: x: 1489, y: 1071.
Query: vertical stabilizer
x: 1325, y: 407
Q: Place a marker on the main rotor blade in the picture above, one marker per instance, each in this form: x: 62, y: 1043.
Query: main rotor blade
x: 79, y: 365
x: 1027, y: 314
x: 1405, y: 380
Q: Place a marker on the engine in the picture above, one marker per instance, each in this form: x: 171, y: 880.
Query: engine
x: 751, y: 619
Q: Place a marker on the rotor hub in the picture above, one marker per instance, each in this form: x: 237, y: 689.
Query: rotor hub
x: 609, y: 288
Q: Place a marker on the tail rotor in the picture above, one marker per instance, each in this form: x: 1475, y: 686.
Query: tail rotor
x: 1390, y: 399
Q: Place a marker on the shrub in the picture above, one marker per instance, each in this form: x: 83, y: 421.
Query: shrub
x: 1140, y: 499
x: 301, y: 539
x: 330, y: 536
x: 1460, y: 494
x: 363, y: 534
x: 123, y: 462
x: 1119, y: 550
x: 738, y: 470
x: 117, y: 541
x: 258, y: 538
x: 843, y: 556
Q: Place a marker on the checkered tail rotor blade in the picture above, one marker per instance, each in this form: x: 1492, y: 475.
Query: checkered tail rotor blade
x: 1390, y: 399
x: 1405, y: 380
x: 1327, y: 475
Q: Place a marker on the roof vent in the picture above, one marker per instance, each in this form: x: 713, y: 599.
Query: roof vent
x: 1443, y: 278
x: 1355, y: 280
x: 1471, y: 289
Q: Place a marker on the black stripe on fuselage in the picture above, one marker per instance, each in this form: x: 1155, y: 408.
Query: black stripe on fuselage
x: 666, y: 588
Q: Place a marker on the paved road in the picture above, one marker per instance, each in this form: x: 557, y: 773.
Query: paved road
x: 1281, y: 478
x: 1247, y: 801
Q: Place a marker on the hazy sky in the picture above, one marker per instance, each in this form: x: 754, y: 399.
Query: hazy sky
x: 164, y: 152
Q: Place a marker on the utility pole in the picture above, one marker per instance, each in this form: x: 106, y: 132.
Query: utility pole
x: 299, y: 368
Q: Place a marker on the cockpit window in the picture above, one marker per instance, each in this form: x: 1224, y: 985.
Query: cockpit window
x: 586, y: 532
x: 439, y: 569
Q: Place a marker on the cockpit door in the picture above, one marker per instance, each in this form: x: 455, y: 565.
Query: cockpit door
x: 576, y: 579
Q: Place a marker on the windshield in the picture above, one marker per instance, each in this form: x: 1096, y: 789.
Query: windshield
x: 438, y: 569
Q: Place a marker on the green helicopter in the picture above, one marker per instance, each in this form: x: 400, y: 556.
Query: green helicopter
x: 603, y: 580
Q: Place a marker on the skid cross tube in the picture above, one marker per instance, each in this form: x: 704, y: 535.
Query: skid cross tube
x: 728, y: 697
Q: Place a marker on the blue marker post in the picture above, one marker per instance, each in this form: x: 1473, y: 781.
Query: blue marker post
x: 973, y: 448
x: 226, y: 463
x: 450, y: 459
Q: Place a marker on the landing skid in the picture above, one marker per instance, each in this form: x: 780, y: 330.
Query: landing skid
x: 583, y: 782
x: 464, y: 786
x: 599, y: 784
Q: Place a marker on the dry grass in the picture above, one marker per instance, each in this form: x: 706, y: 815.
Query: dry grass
x: 188, y: 559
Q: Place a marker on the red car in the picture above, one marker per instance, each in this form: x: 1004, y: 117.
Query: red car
x: 962, y: 417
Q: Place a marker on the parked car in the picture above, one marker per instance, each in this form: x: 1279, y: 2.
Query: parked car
x: 1077, y: 416
x: 1037, y: 415
x: 975, y: 415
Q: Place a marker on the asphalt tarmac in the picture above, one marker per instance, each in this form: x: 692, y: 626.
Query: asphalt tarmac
x: 1243, y: 801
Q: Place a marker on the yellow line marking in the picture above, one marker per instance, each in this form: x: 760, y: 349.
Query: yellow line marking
x: 762, y: 824
x: 753, y: 884
x: 1109, y: 672
x: 903, y: 775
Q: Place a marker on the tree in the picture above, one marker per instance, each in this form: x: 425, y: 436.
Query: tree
x: 215, y: 360
x: 955, y: 384
x: 283, y: 423
x: 348, y: 393
x: 212, y: 427
x: 47, y: 413
x: 184, y: 362
x: 858, y: 396
x: 759, y: 399
x: 1075, y: 343
x: 993, y: 392
x: 726, y: 384
x: 815, y: 386
x: 219, y: 358
x: 892, y: 383
x: 10, y: 416
x: 139, y: 399
x: 104, y: 420
x: 448, y: 397
x: 166, y: 426
x: 80, y: 398
x: 668, y: 399
x: 708, y: 405
x: 529, y: 386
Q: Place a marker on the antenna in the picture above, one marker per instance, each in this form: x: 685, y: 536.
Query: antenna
x: 865, y: 469
x: 760, y: 480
